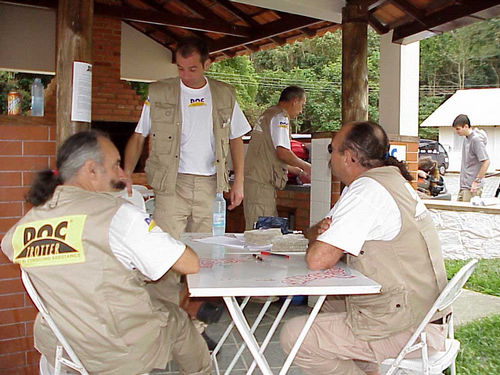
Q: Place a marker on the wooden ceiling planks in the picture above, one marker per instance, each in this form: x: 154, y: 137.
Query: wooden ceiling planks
x: 232, y: 28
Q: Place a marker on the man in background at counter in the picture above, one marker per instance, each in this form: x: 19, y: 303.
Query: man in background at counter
x: 475, y: 160
x: 102, y: 248
x: 388, y: 235
x: 269, y: 157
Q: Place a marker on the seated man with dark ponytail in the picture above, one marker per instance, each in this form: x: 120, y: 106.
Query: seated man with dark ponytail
x: 387, y: 234
x: 88, y: 253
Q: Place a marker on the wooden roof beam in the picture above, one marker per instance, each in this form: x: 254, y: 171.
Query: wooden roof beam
x: 409, y: 9
x: 279, y: 41
x: 291, y: 22
x: 202, y: 11
x: 445, y: 20
x: 237, y: 12
x: 165, y: 19
x: 50, y: 4
x: 167, y: 32
x: 375, y: 23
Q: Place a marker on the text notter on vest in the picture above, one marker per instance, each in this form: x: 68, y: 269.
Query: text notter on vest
x: 219, y: 215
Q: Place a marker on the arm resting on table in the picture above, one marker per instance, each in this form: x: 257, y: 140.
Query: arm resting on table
x: 321, y: 255
x: 187, y: 263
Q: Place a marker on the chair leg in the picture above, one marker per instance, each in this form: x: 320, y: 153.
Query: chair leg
x: 453, y: 370
x: 59, y: 351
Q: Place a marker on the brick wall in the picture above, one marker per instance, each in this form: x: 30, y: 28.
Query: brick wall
x: 112, y: 98
x: 27, y: 144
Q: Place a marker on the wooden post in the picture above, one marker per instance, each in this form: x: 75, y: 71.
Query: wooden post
x: 74, y: 43
x: 354, y: 61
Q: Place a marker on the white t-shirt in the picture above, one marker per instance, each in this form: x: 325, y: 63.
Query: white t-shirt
x: 139, y: 244
x: 365, y: 211
x: 280, y: 131
x: 197, y: 144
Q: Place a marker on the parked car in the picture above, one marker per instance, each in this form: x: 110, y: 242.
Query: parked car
x: 434, y: 150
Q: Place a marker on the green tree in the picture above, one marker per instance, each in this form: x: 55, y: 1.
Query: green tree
x: 240, y: 73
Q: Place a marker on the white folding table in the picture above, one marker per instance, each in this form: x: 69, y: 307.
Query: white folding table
x: 229, y: 273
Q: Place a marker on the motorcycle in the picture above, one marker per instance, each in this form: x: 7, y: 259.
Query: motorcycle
x: 430, y: 184
x: 432, y: 188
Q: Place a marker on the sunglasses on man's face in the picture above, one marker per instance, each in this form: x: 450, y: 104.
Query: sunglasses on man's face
x: 329, y: 148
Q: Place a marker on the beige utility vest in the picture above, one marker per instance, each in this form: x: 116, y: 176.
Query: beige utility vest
x: 409, y: 267
x: 166, y: 128
x: 100, y: 307
x: 261, y: 163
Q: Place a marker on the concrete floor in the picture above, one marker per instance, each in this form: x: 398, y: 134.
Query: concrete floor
x: 274, y: 354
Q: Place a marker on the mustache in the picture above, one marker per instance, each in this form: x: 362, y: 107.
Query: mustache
x: 119, y: 185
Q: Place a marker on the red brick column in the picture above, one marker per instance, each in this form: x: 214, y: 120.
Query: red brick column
x: 112, y: 98
x: 26, y: 145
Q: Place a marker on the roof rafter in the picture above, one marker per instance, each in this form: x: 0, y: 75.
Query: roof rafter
x: 162, y: 18
x: 271, y: 29
x: 441, y: 21
x: 410, y: 10
x: 164, y: 29
x: 375, y: 23
x: 237, y: 12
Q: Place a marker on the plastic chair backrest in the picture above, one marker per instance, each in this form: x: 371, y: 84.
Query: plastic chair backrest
x: 454, y: 287
x: 75, y: 362
x: 449, y: 294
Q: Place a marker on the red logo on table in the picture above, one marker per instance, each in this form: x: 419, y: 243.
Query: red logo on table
x: 335, y: 272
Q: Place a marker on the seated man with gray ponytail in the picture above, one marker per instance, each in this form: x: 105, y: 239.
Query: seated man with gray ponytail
x: 88, y: 252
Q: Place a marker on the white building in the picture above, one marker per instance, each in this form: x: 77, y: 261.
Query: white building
x: 483, y: 108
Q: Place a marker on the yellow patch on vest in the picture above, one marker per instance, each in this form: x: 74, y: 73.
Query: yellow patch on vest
x: 197, y: 104
x: 49, y: 242
x: 151, y: 225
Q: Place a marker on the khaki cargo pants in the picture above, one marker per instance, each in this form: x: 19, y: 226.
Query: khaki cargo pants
x: 189, y: 210
x: 260, y: 200
x: 465, y: 195
x: 330, y: 347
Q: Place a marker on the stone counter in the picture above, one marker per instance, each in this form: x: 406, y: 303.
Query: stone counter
x: 466, y: 231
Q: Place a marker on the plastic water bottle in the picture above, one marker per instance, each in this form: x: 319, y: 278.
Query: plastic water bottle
x: 37, y: 98
x: 219, y: 215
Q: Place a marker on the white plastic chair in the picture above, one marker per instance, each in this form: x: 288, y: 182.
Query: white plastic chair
x: 439, y: 361
x: 74, y: 362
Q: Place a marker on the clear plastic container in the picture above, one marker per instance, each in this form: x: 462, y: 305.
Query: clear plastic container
x: 219, y: 215
x: 37, y: 98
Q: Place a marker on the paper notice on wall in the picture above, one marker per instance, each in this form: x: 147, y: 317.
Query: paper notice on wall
x: 398, y: 151
x: 82, y: 92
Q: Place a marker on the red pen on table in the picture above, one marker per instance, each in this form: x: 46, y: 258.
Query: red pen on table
x: 275, y: 254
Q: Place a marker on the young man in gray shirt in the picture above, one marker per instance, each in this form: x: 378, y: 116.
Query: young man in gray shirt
x: 475, y: 160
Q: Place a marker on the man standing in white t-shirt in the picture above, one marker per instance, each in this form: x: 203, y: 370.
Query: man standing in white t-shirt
x: 192, y: 122
x: 388, y: 235
x: 269, y: 157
